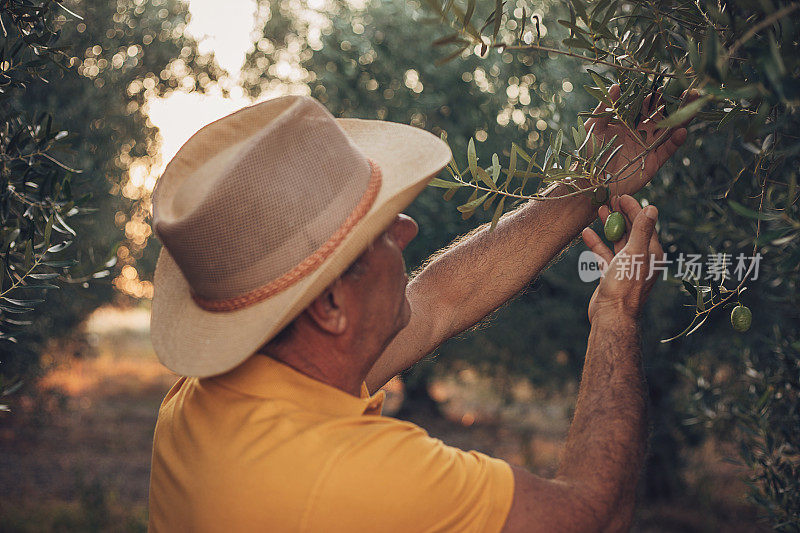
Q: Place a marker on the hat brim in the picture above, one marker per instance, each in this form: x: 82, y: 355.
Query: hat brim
x: 194, y: 342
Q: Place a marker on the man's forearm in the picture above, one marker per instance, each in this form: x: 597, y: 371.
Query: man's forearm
x: 607, y: 439
x: 479, y: 273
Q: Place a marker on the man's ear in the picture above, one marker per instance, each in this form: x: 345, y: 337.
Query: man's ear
x: 328, y: 310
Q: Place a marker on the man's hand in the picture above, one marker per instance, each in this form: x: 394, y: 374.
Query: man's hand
x: 627, y: 280
x: 595, y: 487
x: 635, y: 142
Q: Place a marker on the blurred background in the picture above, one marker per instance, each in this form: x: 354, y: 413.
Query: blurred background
x: 108, y: 92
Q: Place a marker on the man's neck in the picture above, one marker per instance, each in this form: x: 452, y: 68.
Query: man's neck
x: 343, y: 367
x: 309, y: 366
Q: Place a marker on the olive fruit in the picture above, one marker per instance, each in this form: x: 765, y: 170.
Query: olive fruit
x: 741, y: 318
x: 615, y: 226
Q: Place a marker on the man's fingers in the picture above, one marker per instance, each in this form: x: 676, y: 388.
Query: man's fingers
x: 643, y: 226
x: 640, y: 236
x: 666, y: 150
x: 678, y: 136
x: 598, y: 122
x: 679, y: 133
x: 614, y: 92
x: 595, y: 244
x: 692, y: 96
x: 603, y: 213
x: 629, y: 207
x: 652, y: 113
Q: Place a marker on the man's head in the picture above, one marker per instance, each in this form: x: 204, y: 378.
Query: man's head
x: 261, y: 213
x: 362, y: 310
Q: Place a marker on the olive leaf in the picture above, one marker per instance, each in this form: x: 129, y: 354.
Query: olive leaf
x: 684, y: 113
x: 443, y: 184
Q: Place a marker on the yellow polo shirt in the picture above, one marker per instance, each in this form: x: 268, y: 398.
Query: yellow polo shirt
x: 266, y: 448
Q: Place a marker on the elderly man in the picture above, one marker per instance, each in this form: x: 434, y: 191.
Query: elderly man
x: 281, y: 294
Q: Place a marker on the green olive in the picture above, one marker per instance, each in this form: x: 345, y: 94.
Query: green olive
x: 741, y: 318
x: 615, y: 227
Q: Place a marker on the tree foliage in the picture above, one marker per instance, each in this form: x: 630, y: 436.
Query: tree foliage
x: 101, y: 62
x: 735, y: 191
x: 730, y: 190
x: 36, y: 198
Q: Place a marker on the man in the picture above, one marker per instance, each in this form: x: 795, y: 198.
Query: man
x: 282, y: 289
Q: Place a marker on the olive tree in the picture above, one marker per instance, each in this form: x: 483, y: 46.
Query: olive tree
x: 732, y: 193
x: 36, y: 198
x: 75, y: 79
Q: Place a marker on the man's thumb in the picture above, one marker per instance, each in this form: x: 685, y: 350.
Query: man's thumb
x: 643, y: 226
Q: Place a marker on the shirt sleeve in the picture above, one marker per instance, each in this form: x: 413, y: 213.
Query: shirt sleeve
x: 397, y: 478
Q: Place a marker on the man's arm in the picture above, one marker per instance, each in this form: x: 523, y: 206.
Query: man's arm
x: 480, y: 272
x: 594, y: 488
x: 595, y: 485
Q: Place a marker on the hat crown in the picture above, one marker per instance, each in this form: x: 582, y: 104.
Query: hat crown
x: 252, y: 195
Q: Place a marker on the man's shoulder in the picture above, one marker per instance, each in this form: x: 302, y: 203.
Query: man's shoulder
x: 377, y: 432
x: 230, y: 415
x: 315, y: 468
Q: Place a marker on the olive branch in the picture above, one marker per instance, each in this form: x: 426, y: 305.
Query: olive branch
x: 604, y: 34
x: 582, y: 170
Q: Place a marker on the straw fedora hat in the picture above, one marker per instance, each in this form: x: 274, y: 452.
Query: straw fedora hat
x: 260, y: 211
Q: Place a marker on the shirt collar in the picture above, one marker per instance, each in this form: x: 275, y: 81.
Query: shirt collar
x: 265, y: 377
